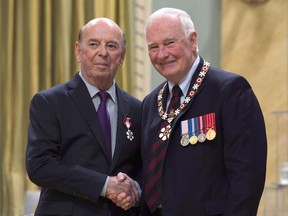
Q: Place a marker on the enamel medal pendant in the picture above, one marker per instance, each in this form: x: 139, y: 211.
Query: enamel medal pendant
x: 165, y: 132
x: 129, y: 133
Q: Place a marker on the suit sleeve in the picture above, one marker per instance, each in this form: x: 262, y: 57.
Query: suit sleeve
x: 245, y: 148
x: 44, y: 164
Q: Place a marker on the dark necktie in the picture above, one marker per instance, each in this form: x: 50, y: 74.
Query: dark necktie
x: 104, y: 119
x: 175, y: 100
x: 153, y: 188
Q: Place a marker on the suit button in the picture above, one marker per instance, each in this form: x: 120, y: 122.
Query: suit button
x: 105, y: 205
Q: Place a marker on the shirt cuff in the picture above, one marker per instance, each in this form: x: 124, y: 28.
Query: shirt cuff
x: 138, y: 203
x: 104, y: 189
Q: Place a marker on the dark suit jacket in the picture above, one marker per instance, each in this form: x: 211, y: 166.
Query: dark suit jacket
x: 224, y: 176
x: 66, y: 154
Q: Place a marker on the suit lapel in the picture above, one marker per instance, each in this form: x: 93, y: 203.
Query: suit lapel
x: 121, y: 139
x: 79, y: 94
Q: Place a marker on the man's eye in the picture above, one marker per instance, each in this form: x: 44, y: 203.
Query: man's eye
x: 112, y: 46
x: 169, y: 43
x: 153, y: 48
x: 92, y: 44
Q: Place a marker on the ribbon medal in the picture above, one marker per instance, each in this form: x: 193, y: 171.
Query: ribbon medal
x: 201, y: 136
x: 198, y: 129
x: 210, y: 126
x: 185, y: 134
x: 128, y: 123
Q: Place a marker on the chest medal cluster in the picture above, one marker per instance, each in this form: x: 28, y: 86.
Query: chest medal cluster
x: 198, y: 129
x: 165, y: 131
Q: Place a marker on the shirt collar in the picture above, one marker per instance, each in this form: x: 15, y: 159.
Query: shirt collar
x: 185, y: 83
x: 93, y: 90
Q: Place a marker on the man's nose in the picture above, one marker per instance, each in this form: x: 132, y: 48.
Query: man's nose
x: 101, y: 50
x: 162, y: 52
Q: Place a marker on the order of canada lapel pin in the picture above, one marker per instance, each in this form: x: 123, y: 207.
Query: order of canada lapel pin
x: 128, y: 123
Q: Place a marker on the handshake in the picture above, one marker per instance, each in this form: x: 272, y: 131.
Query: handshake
x: 122, y: 190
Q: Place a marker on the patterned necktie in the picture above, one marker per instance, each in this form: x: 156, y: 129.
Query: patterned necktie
x: 153, y: 183
x: 104, y: 119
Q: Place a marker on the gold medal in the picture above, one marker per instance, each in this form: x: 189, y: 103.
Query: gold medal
x: 211, y: 134
x: 193, y: 140
x: 210, y: 126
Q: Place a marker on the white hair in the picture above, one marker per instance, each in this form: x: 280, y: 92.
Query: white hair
x: 185, y: 19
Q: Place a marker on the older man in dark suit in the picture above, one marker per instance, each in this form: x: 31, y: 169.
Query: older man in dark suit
x: 78, y: 165
x: 204, y: 140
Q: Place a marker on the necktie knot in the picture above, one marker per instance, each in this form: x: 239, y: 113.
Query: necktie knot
x: 103, y: 96
x: 175, y: 99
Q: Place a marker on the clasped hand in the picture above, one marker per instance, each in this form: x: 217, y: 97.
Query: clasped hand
x: 122, y: 191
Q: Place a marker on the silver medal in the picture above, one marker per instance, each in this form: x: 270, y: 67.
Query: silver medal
x: 201, y: 137
x: 130, y: 135
x: 185, y: 140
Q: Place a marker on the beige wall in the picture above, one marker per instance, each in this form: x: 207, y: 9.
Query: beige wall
x: 254, y: 44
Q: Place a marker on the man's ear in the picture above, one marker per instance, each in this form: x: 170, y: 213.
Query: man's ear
x: 193, y: 40
x: 193, y: 37
x: 122, y: 57
x: 78, y: 51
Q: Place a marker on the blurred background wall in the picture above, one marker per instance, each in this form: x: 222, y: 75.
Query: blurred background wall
x: 254, y: 43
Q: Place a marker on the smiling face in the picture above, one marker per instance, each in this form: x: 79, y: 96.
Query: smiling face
x: 171, y: 52
x: 100, y: 50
